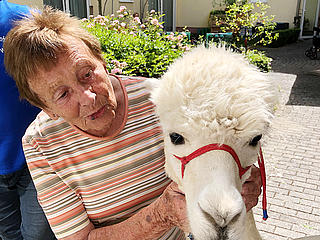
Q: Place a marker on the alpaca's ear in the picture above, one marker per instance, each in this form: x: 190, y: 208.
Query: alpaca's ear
x: 151, y: 84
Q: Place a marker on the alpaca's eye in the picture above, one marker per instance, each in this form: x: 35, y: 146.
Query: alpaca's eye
x: 254, y: 141
x: 176, y: 138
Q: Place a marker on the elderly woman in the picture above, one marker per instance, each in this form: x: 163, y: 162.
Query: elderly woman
x: 95, y: 152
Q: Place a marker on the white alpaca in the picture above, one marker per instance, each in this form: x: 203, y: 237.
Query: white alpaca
x: 213, y: 96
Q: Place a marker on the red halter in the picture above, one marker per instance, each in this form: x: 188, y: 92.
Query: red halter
x: 211, y: 147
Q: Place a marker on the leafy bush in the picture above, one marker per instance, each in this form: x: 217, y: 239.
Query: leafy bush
x: 286, y: 36
x: 259, y: 59
x: 250, y: 20
x: 144, y: 49
x: 134, y: 48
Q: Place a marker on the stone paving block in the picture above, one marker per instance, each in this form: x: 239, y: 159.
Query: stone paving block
x: 285, y: 210
x: 306, y: 216
x: 302, y: 195
x: 288, y: 233
x: 312, y: 181
x: 312, y: 192
x: 309, y: 228
x: 316, y: 212
x: 277, y: 202
x: 313, y: 204
x: 291, y: 187
x: 265, y: 226
x: 271, y: 236
x: 299, y: 207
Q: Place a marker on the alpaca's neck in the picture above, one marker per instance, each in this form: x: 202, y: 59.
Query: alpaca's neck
x: 251, y: 232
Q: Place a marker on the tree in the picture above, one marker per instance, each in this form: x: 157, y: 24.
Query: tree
x: 249, y: 23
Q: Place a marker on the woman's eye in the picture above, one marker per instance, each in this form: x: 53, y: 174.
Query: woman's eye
x: 254, y: 141
x: 63, y: 95
x: 88, y: 74
x: 176, y: 138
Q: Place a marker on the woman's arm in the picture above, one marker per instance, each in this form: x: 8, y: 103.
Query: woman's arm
x: 151, y: 222
x: 167, y: 211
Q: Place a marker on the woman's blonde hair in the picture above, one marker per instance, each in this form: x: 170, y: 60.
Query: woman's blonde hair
x: 36, y: 42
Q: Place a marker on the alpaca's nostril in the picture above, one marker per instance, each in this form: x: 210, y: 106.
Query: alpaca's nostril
x: 221, y: 220
x: 235, y: 218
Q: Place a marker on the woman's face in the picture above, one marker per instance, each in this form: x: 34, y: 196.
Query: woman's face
x: 78, y: 89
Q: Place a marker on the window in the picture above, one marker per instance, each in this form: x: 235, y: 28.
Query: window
x: 165, y: 7
x: 54, y: 3
x: 77, y: 8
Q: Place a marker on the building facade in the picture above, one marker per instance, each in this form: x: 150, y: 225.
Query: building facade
x: 181, y: 13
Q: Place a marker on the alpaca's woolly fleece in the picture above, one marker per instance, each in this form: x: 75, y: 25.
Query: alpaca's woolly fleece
x: 215, y: 92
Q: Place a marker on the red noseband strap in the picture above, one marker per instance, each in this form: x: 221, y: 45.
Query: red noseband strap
x: 211, y: 147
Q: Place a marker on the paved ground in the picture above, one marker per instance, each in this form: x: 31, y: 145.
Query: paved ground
x: 292, y: 149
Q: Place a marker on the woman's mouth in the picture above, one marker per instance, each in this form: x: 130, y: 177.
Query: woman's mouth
x: 98, y: 113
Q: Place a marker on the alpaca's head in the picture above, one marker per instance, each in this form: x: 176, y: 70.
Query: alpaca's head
x: 213, y: 96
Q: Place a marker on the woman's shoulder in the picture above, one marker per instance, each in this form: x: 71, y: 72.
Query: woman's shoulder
x: 43, y: 127
x: 138, y: 85
x: 137, y: 82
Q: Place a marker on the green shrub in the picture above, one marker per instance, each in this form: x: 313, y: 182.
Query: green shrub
x: 134, y: 48
x: 242, y: 17
x: 286, y: 36
x: 144, y: 49
x: 259, y: 59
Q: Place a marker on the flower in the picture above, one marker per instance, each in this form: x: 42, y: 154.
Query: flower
x: 170, y: 37
x: 123, y: 24
x: 143, y: 26
x: 98, y: 17
x: 122, y: 8
x: 123, y: 64
x: 121, y: 16
x: 91, y: 25
x: 137, y: 19
x: 115, y: 62
x: 180, y: 37
x: 116, y: 70
x: 152, y: 11
x: 154, y: 21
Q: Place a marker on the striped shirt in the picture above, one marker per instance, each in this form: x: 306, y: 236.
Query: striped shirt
x: 81, y: 179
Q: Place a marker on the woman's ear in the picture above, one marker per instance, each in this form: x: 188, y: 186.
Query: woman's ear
x: 51, y: 114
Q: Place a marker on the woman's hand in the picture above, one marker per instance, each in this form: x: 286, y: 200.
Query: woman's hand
x: 251, y: 188
x: 172, y: 207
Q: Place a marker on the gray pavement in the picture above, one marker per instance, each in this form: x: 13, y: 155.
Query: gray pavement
x: 292, y: 148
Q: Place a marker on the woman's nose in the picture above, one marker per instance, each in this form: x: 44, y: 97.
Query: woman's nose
x: 87, y: 97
